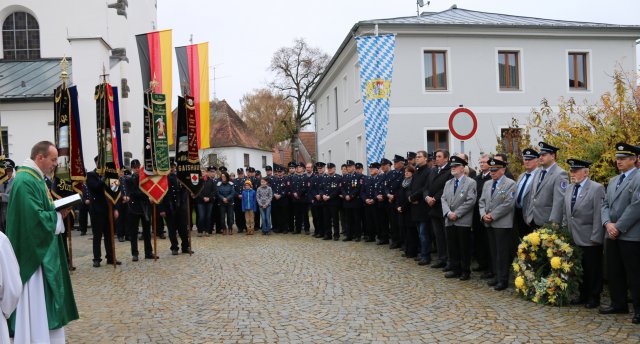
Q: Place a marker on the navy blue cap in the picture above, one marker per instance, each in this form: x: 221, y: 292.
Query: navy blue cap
x: 398, y: 158
x: 320, y: 164
x: 240, y: 170
x: 385, y: 161
x: 411, y: 155
x: 331, y: 165
x: 222, y: 169
x: 359, y: 165
x: 374, y: 165
x: 268, y: 168
x: 576, y: 163
x: 529, y: 154
x: 292, y: 164
x: 350, y: 163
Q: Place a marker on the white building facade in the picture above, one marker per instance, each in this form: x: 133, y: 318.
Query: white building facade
x: 498, y: 66
x: 236, y: 157
x: 97, y: 38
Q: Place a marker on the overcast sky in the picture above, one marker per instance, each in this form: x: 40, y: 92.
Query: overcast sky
x: 243, y: 35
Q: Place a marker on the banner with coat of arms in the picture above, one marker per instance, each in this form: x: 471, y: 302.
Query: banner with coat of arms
x: 153, y: 174
x: 375, y: 55
x: 109, y: 142
x: 187, y: 160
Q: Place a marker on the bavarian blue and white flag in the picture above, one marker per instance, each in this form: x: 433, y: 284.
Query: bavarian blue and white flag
x: 375, y: 55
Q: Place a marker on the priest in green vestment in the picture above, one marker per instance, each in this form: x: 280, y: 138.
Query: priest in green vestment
x: 35, y: 230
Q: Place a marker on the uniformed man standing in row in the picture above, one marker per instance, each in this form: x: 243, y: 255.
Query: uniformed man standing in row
x: 331, y: 186
x: 393, y: 184
x: 582, y: 215
x: 139, y: 208
x: 173, y: 210
x: 458, y: 200
x: 523, y: 191
x: 99, y: 210
x: 368, y: 194
x: 547, y: 198
x: 291, y: 224
x: 238, y: 184
x: 621, y: 218
x: 382, y: 228
x: 299, y: 189
x: 278, y: 211
x: 315, y: 196
x: 496, y: 211
x: 351, y: 202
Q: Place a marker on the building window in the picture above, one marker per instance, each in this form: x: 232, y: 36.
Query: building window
x: 345, y: 93
x: 5, y: 141
x: 435, y: 70
x: 509, y: 70
x: 246, y: 160
x: 328, y: 111
x: 335, y: 105
x: 357, y: 89
x: 347, y: 151
x: 437, y: 139
x: 20, y: 37
x: 213, y: 159
x: 264, y: 161
x: 511, y: 140
x: 578, y: 70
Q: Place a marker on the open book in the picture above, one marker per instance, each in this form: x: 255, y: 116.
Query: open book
x: 67, y: 202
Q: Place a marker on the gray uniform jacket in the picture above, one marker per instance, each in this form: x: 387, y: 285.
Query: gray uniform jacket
x: 461, y: 202
x: 584, y: 221
x: 500, y: 205
x: 526, y: 195
x: 622, y: 206
x: 546, y: 202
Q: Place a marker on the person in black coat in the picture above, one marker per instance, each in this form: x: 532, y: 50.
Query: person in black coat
x: 419, y: 209
x: 204, y: 203
x: 479, y: 232
x: 173, y: 209
x: 99, y: 210
x: 409, y: 232
x: 138, y: 211
x: 441, y: 174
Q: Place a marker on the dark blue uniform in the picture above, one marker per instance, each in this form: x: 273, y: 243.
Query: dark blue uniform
x: 99, y: 210
x: 315, y: 199
x: 352, y: 204
x: 392, y: 186
x: 138, y: 212
x: 368, y: 193
x: 278, y: 213
x: 174, y: 207
x: 382, y: 221
x: 331, y: 186
x: 241, y: 223
x: 299, y: 189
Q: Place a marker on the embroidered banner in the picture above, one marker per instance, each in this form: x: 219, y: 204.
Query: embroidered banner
x: 375, y: 55
x: 70, y: 172
x: 153, y: 175
x: 187, y: 160
x: 108, y: 134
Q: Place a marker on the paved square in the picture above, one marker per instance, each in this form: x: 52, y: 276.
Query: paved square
x: 295, y: 288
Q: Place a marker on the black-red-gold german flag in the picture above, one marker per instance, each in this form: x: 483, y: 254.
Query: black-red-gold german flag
x: 154, y: 50
x: 193, y: 67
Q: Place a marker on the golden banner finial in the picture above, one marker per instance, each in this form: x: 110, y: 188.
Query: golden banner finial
x: 64, y: 67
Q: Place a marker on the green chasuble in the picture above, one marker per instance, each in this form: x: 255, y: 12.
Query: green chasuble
x: 31, y: 227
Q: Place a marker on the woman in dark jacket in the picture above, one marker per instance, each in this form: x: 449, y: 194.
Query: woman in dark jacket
x: 407, y: 226
x: 419, y: 209
x: 226, y: 194
x: 204, y: 206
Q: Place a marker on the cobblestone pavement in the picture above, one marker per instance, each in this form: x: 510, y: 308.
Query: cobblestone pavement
x: 298, y: 289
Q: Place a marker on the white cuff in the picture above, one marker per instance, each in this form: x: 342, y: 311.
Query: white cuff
x: 59, y: 224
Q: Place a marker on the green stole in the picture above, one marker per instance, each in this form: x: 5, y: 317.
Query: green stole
x: 31, y: 228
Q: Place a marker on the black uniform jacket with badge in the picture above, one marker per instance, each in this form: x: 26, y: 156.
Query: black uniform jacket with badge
x: 300, y: 187
x: 381, y: 187
x: 316, y: 183
x: 436, y: 187
x: 238, y: 185
x: 351, y: 186
x: 331, y: 186
x: 394, y: 181
x: 96, y: 186
x: 138, y: 201
x: 369, y: 189
x: 278, y: 186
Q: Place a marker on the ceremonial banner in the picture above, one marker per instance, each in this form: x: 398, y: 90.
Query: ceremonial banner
x: 70, y: 172
x: 153, y: 175
x: 375, y: 55
x: 108, y: 134
x: 187, y: 160
x: 193, y: 68
x: 3, y: 163
x: 154, y: 50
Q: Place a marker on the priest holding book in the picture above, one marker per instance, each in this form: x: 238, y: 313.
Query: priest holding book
x: 34, y: 228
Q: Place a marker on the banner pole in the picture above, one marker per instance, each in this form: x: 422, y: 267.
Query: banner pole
x: 189, y: 222
x: 155, y: 238
x: 113, y: 245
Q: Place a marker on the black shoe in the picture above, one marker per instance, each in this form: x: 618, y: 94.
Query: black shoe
x: 394, y: 246
x: 326, y: 238
x: 317, y: 236
x: 384, y: 242
x: 577, y: 301
x: 452, y: 274
x: 347, y: 239
x: 83, y: 233
x: 416, y: 258
x: 96, y: 264
x: 500, y: 286
x: 487, y: 275
x: 336, y: 238
x: 592, y: 304
x: 423, y: 262
x: 357, y: 239
x: 187, y: 251
x: 404, y: 255
x: 447, y: 268
x: 162, y: 236
x: 370, y: 240
x: 134, y: 258
x: 465, y: 276
x: 307, y: 232
x: 121, y: 239
x: 492, y: 283
x: 636, y: 318
x: 479, y: 268
x: 438, y: 265
x: 613, y: 310
x: 151, y: 257
x: 117, y: 262
x: 174, y: 252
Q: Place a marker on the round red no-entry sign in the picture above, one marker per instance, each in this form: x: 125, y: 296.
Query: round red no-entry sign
x: 463, y: 123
